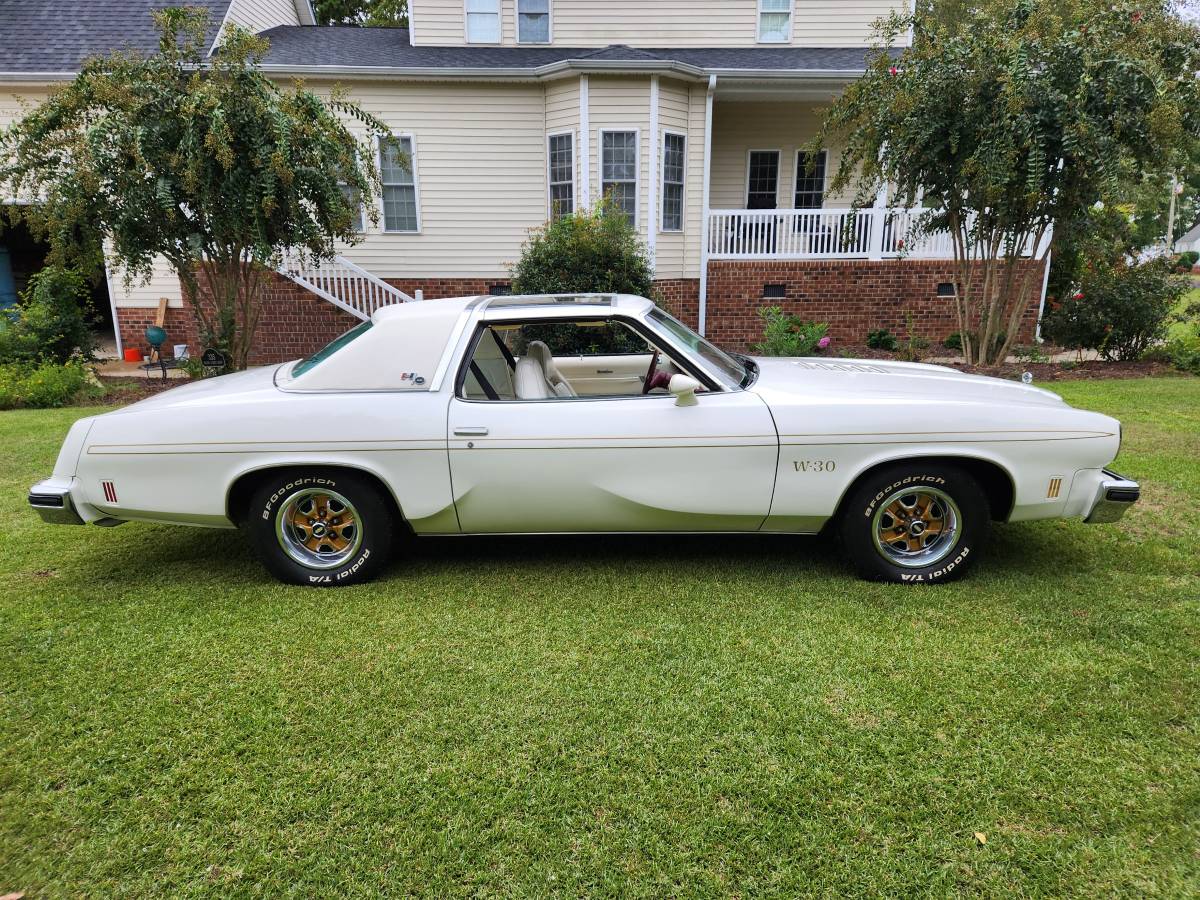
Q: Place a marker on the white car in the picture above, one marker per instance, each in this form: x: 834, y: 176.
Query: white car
x: 585, y: 413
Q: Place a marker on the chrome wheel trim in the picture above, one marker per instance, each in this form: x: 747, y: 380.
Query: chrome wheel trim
x: 318, y: 528
x: 916, y: 527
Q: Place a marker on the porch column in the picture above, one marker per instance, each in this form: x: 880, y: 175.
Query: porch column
x: 652, y: 187
x: 878, y: 217
x: 705, y: 213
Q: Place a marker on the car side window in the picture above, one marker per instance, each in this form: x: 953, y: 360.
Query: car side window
x: 558, y: 360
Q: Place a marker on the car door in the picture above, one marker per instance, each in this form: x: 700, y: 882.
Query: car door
x: 622, y: 464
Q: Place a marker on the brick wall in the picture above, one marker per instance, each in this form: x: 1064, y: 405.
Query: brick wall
x: 853, y: 296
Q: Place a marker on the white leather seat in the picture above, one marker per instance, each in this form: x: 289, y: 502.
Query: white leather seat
x: 558, y: 385
x: 529, y: 381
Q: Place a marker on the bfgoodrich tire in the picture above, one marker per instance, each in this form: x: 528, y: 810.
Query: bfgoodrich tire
x: 321, y: 528
x: 915, y: 523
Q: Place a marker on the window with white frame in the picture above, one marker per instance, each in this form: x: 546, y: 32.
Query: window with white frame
x: 354, y: 201
x: 674, y: 146
x: 774, y: 21
x: 561, y: 158
x: 762, y: 179
x: 810, y: 179
x: 533, y: 21
x: 399, y: 185
x: 618, y: 170
x: 483, y: 21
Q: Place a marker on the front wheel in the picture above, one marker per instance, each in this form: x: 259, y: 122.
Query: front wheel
x: 320, y: 528
x: 914, y: 523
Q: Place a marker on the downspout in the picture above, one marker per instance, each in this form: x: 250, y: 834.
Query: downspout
x: 652, y: 168
x: 702, y: 315
x: 585, y: 150
x: 1042, y: 305
x: 112, y: 304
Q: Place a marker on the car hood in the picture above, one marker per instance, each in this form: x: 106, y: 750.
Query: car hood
x: 884, y: 379
x: 206, y: 389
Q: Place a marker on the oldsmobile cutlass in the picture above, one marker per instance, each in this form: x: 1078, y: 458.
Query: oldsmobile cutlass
x: 588, y: 413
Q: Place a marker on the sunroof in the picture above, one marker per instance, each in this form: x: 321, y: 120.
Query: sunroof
x: 551, y: 300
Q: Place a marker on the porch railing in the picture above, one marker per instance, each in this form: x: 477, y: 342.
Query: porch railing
x: 344, y: 284
x: 876, y: 233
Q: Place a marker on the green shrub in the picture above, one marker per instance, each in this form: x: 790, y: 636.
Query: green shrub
x: 45, y: 385
x: 1187, y: 260
x: 1118, y: 310
x: 881, y: 339
x: 53, y: 320
x: 591, y: 251
x: 788, y: 335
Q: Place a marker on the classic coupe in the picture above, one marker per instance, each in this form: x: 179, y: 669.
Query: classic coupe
x: 585, y: 413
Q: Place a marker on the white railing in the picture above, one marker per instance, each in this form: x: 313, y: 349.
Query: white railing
x: 344, y: 284
x: 875, y: 233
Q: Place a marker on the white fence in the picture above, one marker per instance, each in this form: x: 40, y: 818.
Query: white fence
x: 876, y: 233
x: 344, y: 284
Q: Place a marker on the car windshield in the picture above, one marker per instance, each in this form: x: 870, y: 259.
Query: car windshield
x: 716, y: 358
x: 329, y: 349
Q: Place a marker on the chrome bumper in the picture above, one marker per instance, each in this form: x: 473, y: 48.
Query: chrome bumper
x: 1114, y: 495
x: 54, y: 504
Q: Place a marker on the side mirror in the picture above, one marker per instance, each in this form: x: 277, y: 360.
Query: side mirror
x: 684, y: 388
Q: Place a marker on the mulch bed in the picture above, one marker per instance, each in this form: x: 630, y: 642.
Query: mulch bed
x: 1084, y: 371
x: 131, y: 388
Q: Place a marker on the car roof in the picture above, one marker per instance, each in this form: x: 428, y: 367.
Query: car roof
x: 503, y: 306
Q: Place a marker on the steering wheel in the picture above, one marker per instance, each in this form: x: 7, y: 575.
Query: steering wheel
x: 648, y: 381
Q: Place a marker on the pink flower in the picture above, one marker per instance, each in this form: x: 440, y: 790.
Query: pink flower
x: 893, y: 71
x: 1078, y: 295
x: 823, y: 343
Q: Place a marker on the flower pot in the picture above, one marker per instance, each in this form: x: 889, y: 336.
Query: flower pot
x: 133, y: 354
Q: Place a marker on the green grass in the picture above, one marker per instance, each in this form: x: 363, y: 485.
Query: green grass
x: 700, y: 717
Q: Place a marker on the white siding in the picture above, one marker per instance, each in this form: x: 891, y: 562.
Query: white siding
x: 621, y: 104
x: 562, y: 115
x: 739, y: 127
x: 163, y: 282
x: 480, y: 165
x: 674, y: 115
x: 665, y: 23
x: 259, y: 15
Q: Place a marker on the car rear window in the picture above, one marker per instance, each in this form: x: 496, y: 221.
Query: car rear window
x: 329, y: 349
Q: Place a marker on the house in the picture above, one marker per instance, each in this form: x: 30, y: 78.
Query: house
x: 1189, y: 240
x: 695, y: 117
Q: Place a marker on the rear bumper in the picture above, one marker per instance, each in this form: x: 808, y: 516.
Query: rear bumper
x: 1114, y: 495
x: 52, y: 501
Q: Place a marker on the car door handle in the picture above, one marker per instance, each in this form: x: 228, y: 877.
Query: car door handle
x: 471, y: 431
x: 604, y: 371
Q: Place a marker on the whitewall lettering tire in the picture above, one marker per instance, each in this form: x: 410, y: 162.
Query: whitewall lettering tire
x: 321, y: 528
x: 915, y: 523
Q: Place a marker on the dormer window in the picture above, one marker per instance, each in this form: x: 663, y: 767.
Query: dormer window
x: 483, y: 21
x: 774, y: 21
x: 533, y: 21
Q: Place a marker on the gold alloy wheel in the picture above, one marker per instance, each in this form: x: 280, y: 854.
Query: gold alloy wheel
x: 916, y: 527
x: 318, y: 528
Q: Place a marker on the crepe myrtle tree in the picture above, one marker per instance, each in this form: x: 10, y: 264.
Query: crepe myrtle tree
x: 199, y: 159
x: 1009, y: 117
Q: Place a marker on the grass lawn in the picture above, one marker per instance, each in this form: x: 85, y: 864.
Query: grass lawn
x: 715, y: 717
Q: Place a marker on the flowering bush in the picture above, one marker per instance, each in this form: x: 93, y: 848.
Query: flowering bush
x: 1118, y: 310
x: 45, y: 385
x: 788, y: 335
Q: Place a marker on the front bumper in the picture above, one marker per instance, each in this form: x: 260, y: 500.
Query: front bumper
x: 1114, y: 495
x: 52, y: 501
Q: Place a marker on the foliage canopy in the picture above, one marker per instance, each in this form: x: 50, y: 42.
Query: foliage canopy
x: 199, y: 159
x: 1009, y: 116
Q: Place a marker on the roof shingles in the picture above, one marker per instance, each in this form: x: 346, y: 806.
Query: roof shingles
x: 43, y: 37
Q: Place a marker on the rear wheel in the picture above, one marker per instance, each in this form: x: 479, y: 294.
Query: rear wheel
x: 914, y: 523
x: 320, y: 528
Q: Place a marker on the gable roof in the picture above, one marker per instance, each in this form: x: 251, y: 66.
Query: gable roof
x: 44, y: 39
x: 386, y: 51
x: 1190, y: 236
